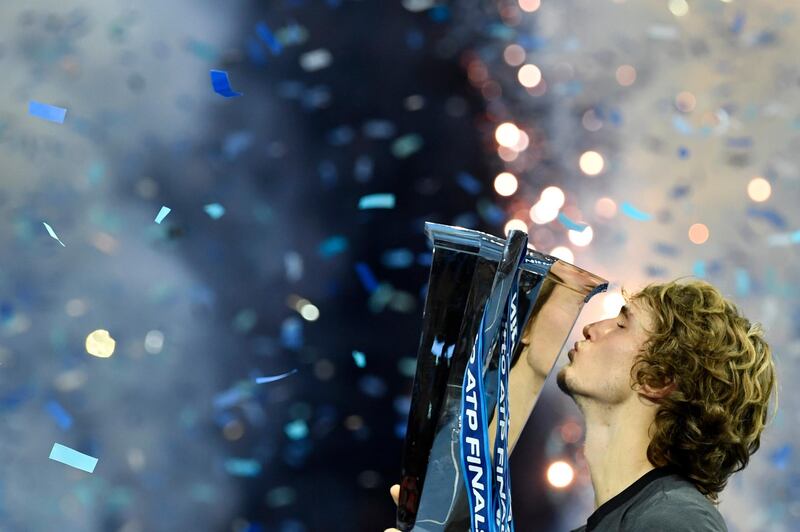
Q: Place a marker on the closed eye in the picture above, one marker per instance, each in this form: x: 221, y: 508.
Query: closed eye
x: 620, y: 326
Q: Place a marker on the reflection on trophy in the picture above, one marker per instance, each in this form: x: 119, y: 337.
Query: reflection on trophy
x: 504, y: 309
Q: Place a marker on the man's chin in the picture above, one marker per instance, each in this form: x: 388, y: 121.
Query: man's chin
x: 561, y: 381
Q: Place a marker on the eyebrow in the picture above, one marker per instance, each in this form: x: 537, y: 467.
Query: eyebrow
x: 626, y: 312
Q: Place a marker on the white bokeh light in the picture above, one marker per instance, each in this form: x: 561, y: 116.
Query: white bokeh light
x: 507, y: 134
x: 542, y: 213
x: 505, y: 184
x: 563, y: 253
x: 553, y: 197
x: 581, y: 238
x: 560, y: 474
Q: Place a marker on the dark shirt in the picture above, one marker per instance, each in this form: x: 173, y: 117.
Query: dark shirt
x: 661, y: 500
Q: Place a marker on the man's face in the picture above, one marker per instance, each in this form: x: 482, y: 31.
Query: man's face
x: 600, y: 366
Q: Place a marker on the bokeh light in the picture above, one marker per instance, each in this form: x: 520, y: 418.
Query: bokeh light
x: 685, y: 102
x: 626, y: 75
x: 515, y: 223
x: 529, y: 75
x: 542, y: 213
x: 505, y: 183
x: 553, y: 197
x: 581, y: 238
x: 507, y: 134
x: 560, y: 474
x: 514, y: 55
x: 529, y: 6
x: 605, y: 207
x: 612, y: 302
x: 591, y: 163
x: 759, y: 189
x: 698, y: 233
x: 563, y: 253
x: 678, y: 8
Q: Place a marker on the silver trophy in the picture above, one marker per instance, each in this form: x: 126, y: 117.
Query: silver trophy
x: 496, y: 316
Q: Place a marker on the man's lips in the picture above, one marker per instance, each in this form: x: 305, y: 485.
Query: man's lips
x: 571, y: 352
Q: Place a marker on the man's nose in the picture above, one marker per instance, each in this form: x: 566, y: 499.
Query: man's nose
x: 586, y: 330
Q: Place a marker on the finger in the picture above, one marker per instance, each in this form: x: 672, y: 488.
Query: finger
x: 391, y: 530
x: 395, y: 493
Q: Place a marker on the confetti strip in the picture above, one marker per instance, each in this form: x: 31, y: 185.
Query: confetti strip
x: 215, y: 210
x: 263, y: 32
x: 264, y: 380
x: 53, y: 233
x: 359, y: 359
x: 222, y: 85
x: 632, y: 212
x: 242, y: 467
x: 366, y: 276
x: 162, y: 214
x: 71, y: 457
x: 51, y: 113
x: 377, y: 201
x: 569, y: 224
x: 62, y: 417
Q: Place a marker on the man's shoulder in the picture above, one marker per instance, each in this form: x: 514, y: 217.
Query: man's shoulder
x: 682, y: 509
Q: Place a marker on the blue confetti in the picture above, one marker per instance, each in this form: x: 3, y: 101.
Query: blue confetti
x: 366, y: 276
x: 769, y: 215
x: 73, y: 458
x: 359, y: 359
x: 738, y: 22
x: 372, y: 386
x: 51, y: 113
x: 665, y: 249
x: 570, y: 224
x: 333, y: 246
x: 683, y: 152
x: 739, y: 142
x: 263, y: 32
x: 377, y: 201
x: 363, y: 169
x: 292, y: 333
x: 62, y: 417
x: 742, y: 282
x: 681, y: 125
x: 632, y: 212
x: 341, y: 136
x: 379, y: 129
x: 699, y: 269
x: 222, y: 85
x: 490, y: 212
x: 162, y: 214
x: 680, y: 191
x: 242, y: 467
x: 397, y: 258
x: 406, y: 145
x: 215, y: 210
x: 265, y: 380
x: 53, y: 234
x: 236, y: 143
x: 296, y: 430
x: 781, y: 457
x: 469, y: 183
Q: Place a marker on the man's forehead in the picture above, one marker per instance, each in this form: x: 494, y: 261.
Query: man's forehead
x: 633, y: 311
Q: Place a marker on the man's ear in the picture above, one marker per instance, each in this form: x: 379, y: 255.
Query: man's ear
x: 657, y: 393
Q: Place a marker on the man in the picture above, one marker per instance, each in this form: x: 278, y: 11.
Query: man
x: 674, y: 391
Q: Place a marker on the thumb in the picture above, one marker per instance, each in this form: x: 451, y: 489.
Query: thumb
x: 394, y: 491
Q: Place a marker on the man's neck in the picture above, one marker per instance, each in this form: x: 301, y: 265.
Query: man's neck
x: 615, y: 449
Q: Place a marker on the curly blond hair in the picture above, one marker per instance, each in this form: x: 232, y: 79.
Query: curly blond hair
x: 710, y: 424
